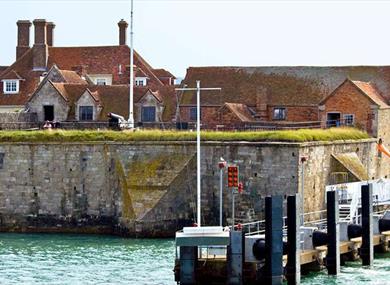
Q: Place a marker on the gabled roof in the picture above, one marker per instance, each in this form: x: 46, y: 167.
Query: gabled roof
x: 2, y: 68
x: 23, y: 67
x: 101, y: 60
x: 160, y: 72
x: 156, y: 94
x: 12, y: 75
x: 241, y: 111
x: 72, y: 77
x: 285, y: 85
x: 139, y: 72
x: 365, y: 88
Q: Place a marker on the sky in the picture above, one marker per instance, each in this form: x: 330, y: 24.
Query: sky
x: 177, y: 34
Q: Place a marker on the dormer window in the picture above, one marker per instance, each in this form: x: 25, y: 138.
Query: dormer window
x: 101, y: 81
x: 11, y: 86
x: 141, y: 81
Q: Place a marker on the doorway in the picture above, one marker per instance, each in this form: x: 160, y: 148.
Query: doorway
x: 48, y: 113
x: 333, y: 119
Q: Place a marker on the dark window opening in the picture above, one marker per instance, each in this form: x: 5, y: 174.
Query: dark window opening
x: 85, y: 113
x: 48, y: 113
x: 279, y: 114
x: 148, y: 114
x: 333, y: 120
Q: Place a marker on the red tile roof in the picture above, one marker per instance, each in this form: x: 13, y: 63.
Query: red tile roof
x: 241, y: 111
x: 2, y: 68
x: 295, y: 85
x: 160, y: 72
x: 23, y: 67
x: 72, y: 77
x: 115, y: 98
x: 11, y: 74
x: 368, y: 89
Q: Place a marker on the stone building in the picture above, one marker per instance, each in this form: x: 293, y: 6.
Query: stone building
x: 42, y: 75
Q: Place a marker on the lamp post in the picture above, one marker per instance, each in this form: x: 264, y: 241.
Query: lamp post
x: 221, y: 165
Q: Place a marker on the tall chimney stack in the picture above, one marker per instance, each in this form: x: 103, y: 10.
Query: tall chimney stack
x: 122, y: 32
x: 50, y: 35
x: 23, y: 37
x: 40, y: 48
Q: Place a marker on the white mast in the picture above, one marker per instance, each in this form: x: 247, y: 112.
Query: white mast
x: 198, y: 115
x: 131, y: 99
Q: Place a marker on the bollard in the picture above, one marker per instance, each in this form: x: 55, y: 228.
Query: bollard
x: 235, y: 258
x: 274, y: 240
x: 188, y: 260
x: 333, y: 255
x: 293, y: 267
x: 367, y: 249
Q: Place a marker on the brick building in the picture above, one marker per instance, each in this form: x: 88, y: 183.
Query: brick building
x: 287, y: 96
x: 49, y: 80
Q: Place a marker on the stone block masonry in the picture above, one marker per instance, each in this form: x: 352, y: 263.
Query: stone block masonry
x: 147, y: 189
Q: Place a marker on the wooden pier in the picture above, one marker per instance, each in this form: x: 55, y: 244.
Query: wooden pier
x: 210, y: 255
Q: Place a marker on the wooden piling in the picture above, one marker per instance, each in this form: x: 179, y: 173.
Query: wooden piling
x: 333, y: 255
x: 367, y: 249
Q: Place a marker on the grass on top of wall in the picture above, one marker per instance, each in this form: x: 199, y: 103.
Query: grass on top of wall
x: 302, y: 135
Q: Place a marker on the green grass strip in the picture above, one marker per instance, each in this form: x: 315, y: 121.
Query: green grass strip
x: 302, y: 135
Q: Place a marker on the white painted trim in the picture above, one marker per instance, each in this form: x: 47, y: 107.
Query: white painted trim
x: 5, y: 81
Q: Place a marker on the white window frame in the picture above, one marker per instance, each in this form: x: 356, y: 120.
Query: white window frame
x: 345, y: 120
x: 101, y: 81
x: 141, y: 81
x: 6, y: 85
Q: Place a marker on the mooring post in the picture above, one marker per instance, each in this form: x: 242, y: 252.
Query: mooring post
x: 333, y: 256
x: 235, y: 258
x: 188, y: 260
x: 367, y: 249
x: 274, y: 240
x: 293, y: 267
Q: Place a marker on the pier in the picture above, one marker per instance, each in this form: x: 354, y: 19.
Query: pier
x: 284, y: 247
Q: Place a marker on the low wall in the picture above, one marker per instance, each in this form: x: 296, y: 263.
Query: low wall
x: 18, y: 121
x: 148, y: 188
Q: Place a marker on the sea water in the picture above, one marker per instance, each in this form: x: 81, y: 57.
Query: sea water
x: 89, y: 259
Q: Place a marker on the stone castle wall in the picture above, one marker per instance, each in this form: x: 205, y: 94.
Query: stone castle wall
x: 148, y: 188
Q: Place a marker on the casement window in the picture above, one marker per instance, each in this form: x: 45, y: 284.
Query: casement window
x: 11, y: 86
x: 148, y: 114
x: 279, y: 114
x: 349, y: 119
x: 101, y: 81
x: 85, y: 113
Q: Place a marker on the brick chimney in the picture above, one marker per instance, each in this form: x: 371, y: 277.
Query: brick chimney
x: 50, y: 35
x: 23, y: 37
x: 40, y: 48
x: 122, y: 32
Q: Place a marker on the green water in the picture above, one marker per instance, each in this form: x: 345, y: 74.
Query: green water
x: 81, y: 259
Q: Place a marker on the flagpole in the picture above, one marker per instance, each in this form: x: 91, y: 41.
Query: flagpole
x: 131, y: 99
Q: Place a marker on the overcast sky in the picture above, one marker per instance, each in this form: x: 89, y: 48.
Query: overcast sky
x: 182, y: 33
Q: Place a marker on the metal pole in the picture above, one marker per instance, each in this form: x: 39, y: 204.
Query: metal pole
x: 233, y: 209
x: 198, y: 181
x: 131, y: 115
x: 303, y: 194
x: 220, y: 196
